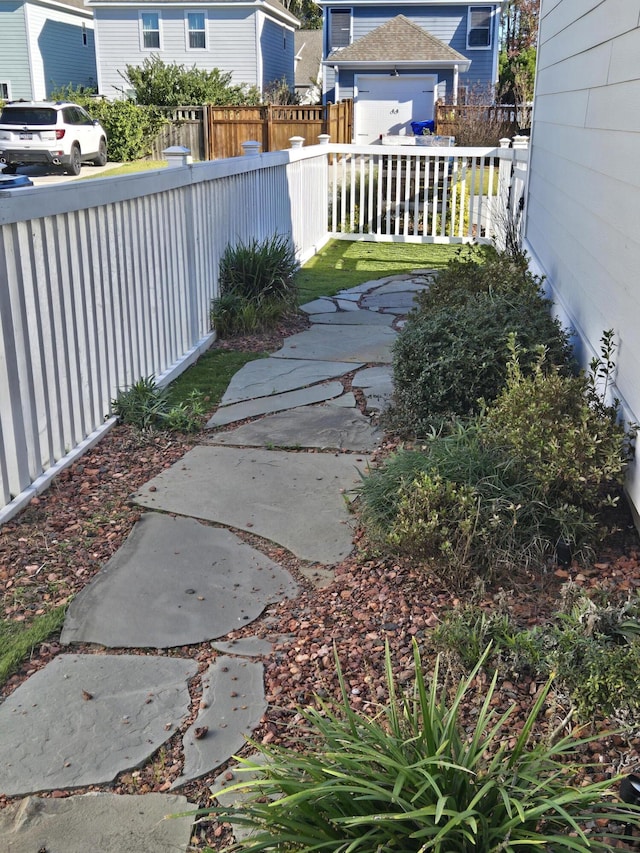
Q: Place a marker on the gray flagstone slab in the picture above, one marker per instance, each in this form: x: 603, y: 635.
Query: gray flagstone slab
x: 401, y: 287
x: 326, y: 426
x: 294, y: 499
x: 175, y: 582
x: 340, y: 343
x: 97, y: 822
x: 269, y: 376
x: 248, y: 647
x: 232, y: 705
x: 319, y: 306
x: 276, y: 403
x: 395, y: 302
x: 353, y: 318
x: 85, y: 718
x: 376, y: 384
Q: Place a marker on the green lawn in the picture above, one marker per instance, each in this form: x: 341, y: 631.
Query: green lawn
x: 127, y: 169
x: 18, y: 640
x: 345, y: 263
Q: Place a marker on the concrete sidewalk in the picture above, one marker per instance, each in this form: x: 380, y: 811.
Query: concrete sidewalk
x: 184, y: 577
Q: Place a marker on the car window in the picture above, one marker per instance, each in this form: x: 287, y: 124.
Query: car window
x: 27, y: 116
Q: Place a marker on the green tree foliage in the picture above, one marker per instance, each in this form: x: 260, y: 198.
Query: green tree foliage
x: 518, y: 51
x: 163, y: 84
x: 308, y: 13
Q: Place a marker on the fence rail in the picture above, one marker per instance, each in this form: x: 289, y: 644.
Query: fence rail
x: 105, y: 281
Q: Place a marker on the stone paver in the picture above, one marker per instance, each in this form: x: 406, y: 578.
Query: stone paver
x: 175, y: 582
x: 395, y: 303
x: 277, y: 403
x: 377, y: 386
x: 248, y: 647
x: 326, y: 427
x: 85, y: 718
x: 294, y: 499
x: 319, y: 306
x: 97, y: 823
x: 353, y: 318
x: 233, y: 703
x: 340, y: 343
x: 265, y: 377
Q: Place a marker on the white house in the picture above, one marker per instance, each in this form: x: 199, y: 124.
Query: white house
x: 583, y: 208
x: 44, y: 45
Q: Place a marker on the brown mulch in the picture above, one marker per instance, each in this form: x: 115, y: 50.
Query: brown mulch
x: 52, y: 549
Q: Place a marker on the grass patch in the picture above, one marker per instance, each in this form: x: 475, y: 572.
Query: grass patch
x: 210, y: 375
x: 342, y: 264
x: 18, y: 640
x: 128, y: 169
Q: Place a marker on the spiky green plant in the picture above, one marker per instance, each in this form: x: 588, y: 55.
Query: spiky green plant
x: 413, y: 777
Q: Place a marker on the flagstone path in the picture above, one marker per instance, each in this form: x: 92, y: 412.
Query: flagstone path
x: 183, y: 577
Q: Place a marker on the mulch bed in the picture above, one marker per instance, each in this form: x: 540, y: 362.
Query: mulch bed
x: 51, y: 551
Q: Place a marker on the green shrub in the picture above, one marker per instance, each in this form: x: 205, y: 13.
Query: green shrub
x: 561, y: 434
x: 447, y: 361
x: 414, y: 777
x: 142, y: 405
x: 257, y: 282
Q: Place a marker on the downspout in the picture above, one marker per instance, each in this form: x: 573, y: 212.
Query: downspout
x: 456, y: 83
x: 336, y: 83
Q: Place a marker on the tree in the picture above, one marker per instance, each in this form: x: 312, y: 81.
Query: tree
x: 308, y: 13
x: 518, y: 51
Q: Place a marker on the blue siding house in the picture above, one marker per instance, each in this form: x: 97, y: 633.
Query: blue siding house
x: 251, y: 39
x: 44, y: 45
x: 397, y: 59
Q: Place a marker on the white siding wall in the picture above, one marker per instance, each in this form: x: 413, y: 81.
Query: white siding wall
x: 231, y: 44
x: 58, y: 55
x: 584, y: 191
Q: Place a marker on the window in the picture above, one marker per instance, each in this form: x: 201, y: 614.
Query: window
x: 150, y: 22
x: 479, y: 27
x: 5, y: 90
x: 339, y: 28
x: 196, y: 30
x: 84, y: 35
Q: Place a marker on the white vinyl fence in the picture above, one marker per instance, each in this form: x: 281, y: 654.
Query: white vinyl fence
x: 105, y: 281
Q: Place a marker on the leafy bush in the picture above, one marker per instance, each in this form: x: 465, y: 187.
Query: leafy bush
x: 161, y: 84
x: 447, y: 361
x: 561, y: 434
x: 414, y: 778
x: 130, y: 128
x: 257, y: 285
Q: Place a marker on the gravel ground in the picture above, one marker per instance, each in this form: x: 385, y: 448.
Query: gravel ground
x: 50, y: 551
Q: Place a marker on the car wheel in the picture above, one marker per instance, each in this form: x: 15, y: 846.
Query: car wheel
x: 75, y: 163
x: 101, y: 159
x: 10, y: 169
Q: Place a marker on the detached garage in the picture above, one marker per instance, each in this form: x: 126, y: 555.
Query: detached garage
x: 395, y: 74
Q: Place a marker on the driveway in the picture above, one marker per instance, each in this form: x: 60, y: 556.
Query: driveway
x: 47, y: 175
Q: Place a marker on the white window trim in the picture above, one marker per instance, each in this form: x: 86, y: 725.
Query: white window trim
x: 206, y: 29
x: 6, y: 83
x: 150, y: 12
x: 333, y: 9
x: 490, y: 27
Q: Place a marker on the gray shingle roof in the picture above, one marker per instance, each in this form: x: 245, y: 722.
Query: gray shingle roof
x: 397, y: 40
x: 274, y: 4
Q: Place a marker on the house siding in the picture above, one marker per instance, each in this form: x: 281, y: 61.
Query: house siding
x: 14, y: 55
x: 277, y: 49
x: 231, y: 44
x: 447, y: 23
x: 582, y: 208
x: 58, y: 55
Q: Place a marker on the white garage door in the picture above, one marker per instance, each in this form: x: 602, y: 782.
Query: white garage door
x: 386, y: 104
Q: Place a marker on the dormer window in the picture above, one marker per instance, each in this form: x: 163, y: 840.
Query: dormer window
x: 339, y: 28
x: 479, y: 27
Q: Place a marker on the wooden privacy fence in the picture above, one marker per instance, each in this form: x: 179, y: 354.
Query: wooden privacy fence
x: 215, y: 133
x: 273, y: 126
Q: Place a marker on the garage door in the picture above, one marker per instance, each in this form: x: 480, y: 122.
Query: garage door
x: 386, y: 104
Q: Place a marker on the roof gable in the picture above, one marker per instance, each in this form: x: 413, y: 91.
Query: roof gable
x: 397, y: 40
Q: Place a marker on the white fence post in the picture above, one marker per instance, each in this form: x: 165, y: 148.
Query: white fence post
x: 251, y: 147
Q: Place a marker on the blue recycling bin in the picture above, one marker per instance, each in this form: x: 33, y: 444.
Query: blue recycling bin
x: 11, y: 182
x: 419, y: 127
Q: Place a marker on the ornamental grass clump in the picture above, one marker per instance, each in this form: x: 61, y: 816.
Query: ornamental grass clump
x: 257, y: 283
x: 422, y: 774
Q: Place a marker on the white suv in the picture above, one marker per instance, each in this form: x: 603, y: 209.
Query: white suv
x: 60, y: 133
